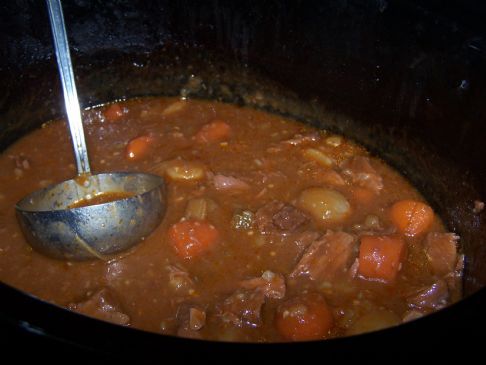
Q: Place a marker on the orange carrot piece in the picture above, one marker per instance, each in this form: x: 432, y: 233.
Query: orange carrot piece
x: 113, y: 113
x: 380, y: 257
x: 138, y: 147
x: 412, y: 217
x: 215, y: 131
x: 192, y: 238
x: 304, y: 318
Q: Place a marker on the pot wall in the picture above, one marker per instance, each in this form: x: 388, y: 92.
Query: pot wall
x: 404, y: 79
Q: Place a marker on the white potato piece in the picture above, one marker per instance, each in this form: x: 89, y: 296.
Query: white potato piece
x: 324, y: 205
x: 182, y: 170
x: 373, y: 321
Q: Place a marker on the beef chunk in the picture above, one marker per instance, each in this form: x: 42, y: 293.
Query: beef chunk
x: 278, y: 217
x: 289, y: 218
x: 102, y: 305
x: 412, y: 315
x: 441, y: 250
x: 478, y: 206
x: 197, y: 318
x: 272, y: 285
x: 430, y: 297
x: 179, y: 279
x: 327, y: 257
x: 188, y: 333
x: 191, y: 318
x: 305, y: 239
x: 454, y: 278
x: 229, y: 184
x: 360, y: 172
x: 243, y: 307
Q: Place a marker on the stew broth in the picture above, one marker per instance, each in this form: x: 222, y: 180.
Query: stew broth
x: 102, y: 198
x: 274, y: 231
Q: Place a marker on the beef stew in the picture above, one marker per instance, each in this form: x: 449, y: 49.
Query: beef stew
x: 275, y: 231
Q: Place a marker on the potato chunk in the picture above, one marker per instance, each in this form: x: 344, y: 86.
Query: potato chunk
x: 374, y: 320
x: 181, y: 170
x: 324, y: 205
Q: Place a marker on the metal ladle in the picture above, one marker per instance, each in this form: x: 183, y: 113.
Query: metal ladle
x: 47, y: 220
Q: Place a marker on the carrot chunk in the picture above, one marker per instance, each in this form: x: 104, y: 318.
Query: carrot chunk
x: 192, y: 238
x: 380, y: 257
x: 113, y: 113
x: 138, y: 147
x: 412, y: 217
x: 304, y: 318
x: 215, y: 131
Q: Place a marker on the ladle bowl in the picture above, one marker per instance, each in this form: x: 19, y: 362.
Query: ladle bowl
x: 50, y: 219
x: 55, y: 229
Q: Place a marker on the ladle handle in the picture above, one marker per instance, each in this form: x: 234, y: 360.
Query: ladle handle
x: 68, y: 85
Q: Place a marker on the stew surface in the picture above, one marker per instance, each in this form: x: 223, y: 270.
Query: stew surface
x: 275, y: 231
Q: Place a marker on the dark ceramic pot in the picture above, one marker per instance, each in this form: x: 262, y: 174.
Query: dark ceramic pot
x: 406, y: 79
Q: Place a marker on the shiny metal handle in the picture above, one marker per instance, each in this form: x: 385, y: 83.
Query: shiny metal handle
x: 68, y: 85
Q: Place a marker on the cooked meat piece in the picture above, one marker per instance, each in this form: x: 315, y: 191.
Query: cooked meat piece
x: 188, y: 333
x: 359, y: 170
x: 327, y: 257
x: 278, y: 217
x: 305, y: 239
x: 441, y: 250
x: 243, y: 307
x: 272, y: 285
x: 430, y: 297
x: 229, y: 184
x: 412, y: 315
x: 179, y: 279
x: 197, y: 318
x: 102, y: 305
x: 191, y: 318
x: 289, y: 218
x: 453, y: 279
x: 478, y: 206
x: 264, y: 217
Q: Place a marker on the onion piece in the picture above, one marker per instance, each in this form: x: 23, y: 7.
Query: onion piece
x: 175, y: 107
x: 318, y: 156
x: 196, y: 208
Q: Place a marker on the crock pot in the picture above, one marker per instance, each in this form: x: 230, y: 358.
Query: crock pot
x: 407, y: 79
